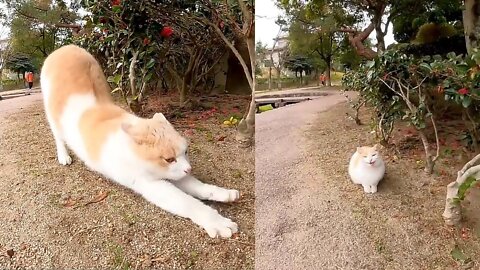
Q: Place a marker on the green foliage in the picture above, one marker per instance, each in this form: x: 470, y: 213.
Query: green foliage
x: 33, y: 28
x: 20, y: 64
x: 168, y: 37
x: 400, y: 86
x: 410, y: 15
x: 464, y: 187
x: 431, y: 32
x: 441, y: 47
x: 299, y: 64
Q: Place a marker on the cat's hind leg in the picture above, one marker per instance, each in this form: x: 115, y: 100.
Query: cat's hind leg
x: 202, y: 191
x: 373, y: 189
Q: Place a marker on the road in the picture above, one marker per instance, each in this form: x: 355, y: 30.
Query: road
x: 293, y: 226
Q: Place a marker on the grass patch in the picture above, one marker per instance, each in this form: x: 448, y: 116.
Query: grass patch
x: 265, y: 108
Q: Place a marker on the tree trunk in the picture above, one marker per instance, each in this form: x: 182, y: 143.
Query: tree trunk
x: 183, y: 92
x: 471, y: 24
x: 356, y: 39
x: 328, y: 75
x: 453, y: 211
x: 270, y: 78
x: 279, y: 79
x: 380, y: 38
x: 429, y: 163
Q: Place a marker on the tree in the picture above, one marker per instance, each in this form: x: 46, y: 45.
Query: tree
x: 300, y: 65
x: 38, y: 28
x: 20, y: 64
x: 311, y: 35
x: 471, y: 22
x: 239, y: 15
x: 260, y: 55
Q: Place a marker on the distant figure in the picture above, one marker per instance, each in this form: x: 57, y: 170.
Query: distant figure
x: 29, y: 78
x: 322, y: 79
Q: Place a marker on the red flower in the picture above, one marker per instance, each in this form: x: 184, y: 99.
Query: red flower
x: 146, y: 41
x: 116, y: 2
x: 166, y: 32
x: 221, y: 25
x: 463, y: 91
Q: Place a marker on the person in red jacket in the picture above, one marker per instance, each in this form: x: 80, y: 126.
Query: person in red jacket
x: 29, y: 78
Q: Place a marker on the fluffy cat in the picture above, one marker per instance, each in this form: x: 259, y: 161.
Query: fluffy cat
x: 146, y: 155
x: 367, y: 168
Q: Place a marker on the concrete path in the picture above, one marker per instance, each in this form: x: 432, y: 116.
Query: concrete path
x: 259, y: 94
x: 293, y: 225
x: 9, y: 106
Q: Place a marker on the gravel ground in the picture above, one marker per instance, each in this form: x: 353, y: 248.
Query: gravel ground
x: 48, y: 223
x: 308, y: 210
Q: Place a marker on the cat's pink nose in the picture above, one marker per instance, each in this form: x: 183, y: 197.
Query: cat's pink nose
x: 188, y: 171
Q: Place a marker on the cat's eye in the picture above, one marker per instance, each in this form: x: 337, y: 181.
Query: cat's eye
x: 374, y: 155
x: 170, y: 160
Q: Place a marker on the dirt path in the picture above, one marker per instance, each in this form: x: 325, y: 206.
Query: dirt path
x: 47, y: 222
x: 310, y: 216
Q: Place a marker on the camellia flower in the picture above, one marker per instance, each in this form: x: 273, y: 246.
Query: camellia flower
x: 146, y: 41
x: 463, y: 91
x: 166, y: 32
x: 116, y: 2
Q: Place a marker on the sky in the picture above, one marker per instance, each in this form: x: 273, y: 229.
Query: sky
x: 266, y: 30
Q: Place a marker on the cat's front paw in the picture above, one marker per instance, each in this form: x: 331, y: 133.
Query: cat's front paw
x: 65, y: 159
x: 224, y: 195
x: 216, y: 225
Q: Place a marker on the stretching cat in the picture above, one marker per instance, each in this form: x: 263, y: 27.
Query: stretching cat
x: 367, y: 168
x: 146, y: 155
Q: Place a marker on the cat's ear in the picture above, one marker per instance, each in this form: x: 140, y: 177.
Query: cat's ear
x: 159, y: 117
x: 358, y: 149
x: 376, y: 147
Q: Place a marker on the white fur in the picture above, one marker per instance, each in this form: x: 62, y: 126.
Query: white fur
x: 366, y: 174
x: 174, y: 190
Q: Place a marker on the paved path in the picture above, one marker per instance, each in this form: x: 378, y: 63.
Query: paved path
x: 293, y: 226
x: 314, y: 89
x: 9, y: 106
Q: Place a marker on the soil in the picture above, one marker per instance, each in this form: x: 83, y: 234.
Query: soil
x: 69, y: 217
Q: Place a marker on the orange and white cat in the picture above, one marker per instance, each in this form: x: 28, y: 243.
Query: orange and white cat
x: 146, y: 155
x: 367, y: 168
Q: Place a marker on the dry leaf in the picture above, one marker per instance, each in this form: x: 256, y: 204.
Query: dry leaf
x: 100, y: 197
x: 69, y: 202
x: 221, y: 138
x: 10, y: 253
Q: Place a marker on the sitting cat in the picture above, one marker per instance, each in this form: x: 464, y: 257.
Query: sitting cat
x: 367, y: 168
x: 146, y: 155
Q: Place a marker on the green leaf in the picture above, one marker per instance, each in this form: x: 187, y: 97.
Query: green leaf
x: 151, y: 63
x: 116, y: 89
x: 458, y: 254
x: 148, y: 77
x: 463, y: 188
x: 426, y: 67
x: 117, y: 9
x: 466, y: 101
x: 370, y: 64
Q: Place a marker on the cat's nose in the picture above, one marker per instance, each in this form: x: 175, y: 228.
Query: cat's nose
x: 188, y: 170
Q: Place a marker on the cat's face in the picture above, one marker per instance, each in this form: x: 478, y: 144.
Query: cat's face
x: 161, y: 146
x: 369, y: 155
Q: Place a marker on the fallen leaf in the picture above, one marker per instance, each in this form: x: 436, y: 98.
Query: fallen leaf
x: 100, y: 197
x: 458, y: 254
x: 221, y: 138
x: 10, y: 253
x: 69, y: 202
